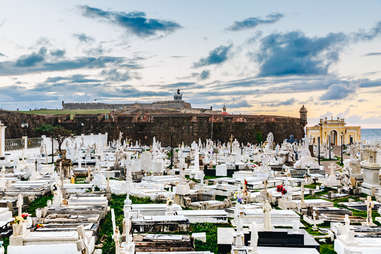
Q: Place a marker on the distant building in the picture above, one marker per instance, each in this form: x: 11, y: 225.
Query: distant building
x: 175, y: 105
x: 332, y: 130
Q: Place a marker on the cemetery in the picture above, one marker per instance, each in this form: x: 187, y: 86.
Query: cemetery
x: 88, y: 194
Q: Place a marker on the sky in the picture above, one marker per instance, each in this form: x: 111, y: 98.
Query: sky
x: 255, y: 57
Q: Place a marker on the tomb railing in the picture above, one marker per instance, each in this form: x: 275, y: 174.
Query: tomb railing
x: 18, y: 143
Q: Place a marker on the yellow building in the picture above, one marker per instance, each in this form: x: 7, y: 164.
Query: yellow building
x: 333, y: 130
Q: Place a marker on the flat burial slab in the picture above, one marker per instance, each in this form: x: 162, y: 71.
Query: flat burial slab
x: 44, y: 249
x: 286, y: 250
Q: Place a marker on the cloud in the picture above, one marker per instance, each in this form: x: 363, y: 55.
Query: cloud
x: 217, y: 56
x: 240, y: 104
x: 76, y: 78
x: 373, y: 54
x: 280, y: 103
x: 294, y: 53
x: 181, y: 85
x: 32, y: 59
x: 134, y: 22
x: 47, y: 61
x: 204, y: 74
x: 255, y: 21
x: 338, y: 92
x: 58, y: 53
x: 97, y: 51
x: 84, y: 38
x: 115, y: 75
x: 16, y: 94
x: 366, y: 83
x: 368, y: 35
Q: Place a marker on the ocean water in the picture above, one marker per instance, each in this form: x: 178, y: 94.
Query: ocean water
x: 371, y: 135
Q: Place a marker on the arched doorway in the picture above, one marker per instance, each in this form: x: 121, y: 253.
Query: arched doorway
x: 333, y: 135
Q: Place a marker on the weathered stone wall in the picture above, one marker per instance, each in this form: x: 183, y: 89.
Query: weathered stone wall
x: 165, y: 127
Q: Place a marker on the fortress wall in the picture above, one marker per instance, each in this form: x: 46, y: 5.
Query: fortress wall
x: 181, y: 127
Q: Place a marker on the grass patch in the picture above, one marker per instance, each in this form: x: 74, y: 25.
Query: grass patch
x: 105, y: 229
x: 38, y: 203
x: 211, y: 236
x: 80, y: 180
x: 312, y: 186
x: 327, y: 248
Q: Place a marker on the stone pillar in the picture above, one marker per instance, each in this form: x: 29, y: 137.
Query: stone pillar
x: 371, y: 172
x: 25, y: 138
x: 2, y: 139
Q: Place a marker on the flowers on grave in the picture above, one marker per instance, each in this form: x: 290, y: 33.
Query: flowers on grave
x: 17, y: 220
x: 39, y: 226
x: 281, y: 189
x: 25, y: 215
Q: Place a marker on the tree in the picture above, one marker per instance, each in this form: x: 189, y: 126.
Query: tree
x: 58, y: 133
x: 45, y: 129
x: 259, y: 137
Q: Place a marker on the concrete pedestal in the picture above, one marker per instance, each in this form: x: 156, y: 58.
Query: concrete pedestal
x: 371, y: 184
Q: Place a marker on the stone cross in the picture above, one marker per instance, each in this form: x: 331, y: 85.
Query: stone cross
x: 20, y: 203
x: 314, y: 227
x: 369, y: 205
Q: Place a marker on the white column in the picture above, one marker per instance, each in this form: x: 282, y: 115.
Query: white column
x: 2, y: 139
x: 25, y: 138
